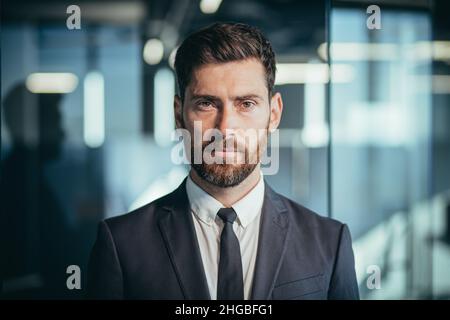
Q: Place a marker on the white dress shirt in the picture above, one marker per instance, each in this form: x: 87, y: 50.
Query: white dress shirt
x: 208, y: 227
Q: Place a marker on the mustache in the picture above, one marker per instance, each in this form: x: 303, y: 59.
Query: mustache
x: 224, y: 144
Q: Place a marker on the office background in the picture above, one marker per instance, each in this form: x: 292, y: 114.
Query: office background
x: 365, y: 135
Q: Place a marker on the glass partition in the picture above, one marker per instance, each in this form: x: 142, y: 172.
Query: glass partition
x: 383, y: 146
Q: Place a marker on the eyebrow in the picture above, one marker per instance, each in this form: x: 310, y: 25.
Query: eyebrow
x: 204, y: 96
x: 214, y: 98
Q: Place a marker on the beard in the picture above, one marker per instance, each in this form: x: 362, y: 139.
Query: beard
x: 225, y: 175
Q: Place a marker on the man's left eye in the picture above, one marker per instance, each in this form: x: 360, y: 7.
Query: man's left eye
x: 248, y: 104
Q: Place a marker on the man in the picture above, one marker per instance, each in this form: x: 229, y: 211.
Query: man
x: 224, y: 233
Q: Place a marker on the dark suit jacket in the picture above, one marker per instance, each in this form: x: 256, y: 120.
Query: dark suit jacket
x: 153, y: 253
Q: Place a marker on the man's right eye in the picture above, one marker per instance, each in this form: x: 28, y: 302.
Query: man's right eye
x: 205, y: 104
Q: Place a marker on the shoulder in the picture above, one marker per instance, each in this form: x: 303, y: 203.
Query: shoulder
x: 309, y: 223
x: 144, y: 217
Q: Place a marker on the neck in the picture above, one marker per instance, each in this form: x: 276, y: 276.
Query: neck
x: 231, y: 195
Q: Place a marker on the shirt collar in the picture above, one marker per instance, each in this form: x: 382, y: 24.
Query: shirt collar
x: 205, y: 206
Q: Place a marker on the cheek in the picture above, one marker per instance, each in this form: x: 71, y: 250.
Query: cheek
x: 258, y: 119
x: 190, y: 116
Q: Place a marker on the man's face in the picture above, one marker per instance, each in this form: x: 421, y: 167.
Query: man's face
x: 233, y: 99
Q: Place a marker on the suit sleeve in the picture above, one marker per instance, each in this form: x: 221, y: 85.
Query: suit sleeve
x: 343, y: 285
x: 105, y: 279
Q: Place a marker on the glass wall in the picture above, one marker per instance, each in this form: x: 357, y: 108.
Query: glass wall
x: 383, y: 146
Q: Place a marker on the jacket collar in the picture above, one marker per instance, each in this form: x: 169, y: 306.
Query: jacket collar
x: 177, y: 228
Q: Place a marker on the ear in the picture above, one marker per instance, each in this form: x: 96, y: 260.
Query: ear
x: 276, y: 109
x: 178, y: 111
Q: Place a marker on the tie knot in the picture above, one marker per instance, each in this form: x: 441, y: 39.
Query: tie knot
x: 227, y: 215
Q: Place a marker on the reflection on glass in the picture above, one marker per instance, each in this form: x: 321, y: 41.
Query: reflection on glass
x: 381, y: 133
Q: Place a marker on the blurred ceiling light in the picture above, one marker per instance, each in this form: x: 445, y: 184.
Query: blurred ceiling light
x: 315, y: 136
x: 441, y: 50
x: 437, y: 50
x: 51, y: 82
x: 359, y: 51
x: 289, y: 73
x: 164, y: 122
x: 322, y: 51
x: 315, y: 132
x: 94, y: 110
x: 209, y: 6
x: 153, y: 51
x: 102, y: 12
x: 172, y: 58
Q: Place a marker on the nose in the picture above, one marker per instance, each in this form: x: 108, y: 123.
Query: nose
x: 227, y: 118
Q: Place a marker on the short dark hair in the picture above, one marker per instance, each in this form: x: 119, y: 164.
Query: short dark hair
x: 220, y: 43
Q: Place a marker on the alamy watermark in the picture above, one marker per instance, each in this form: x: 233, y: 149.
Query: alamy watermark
x: 74, y: 279
x: 374, y: 20
x: 73, y: 21
x: 374, y: 279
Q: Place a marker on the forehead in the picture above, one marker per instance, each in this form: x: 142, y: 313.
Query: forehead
x: 237, y: 77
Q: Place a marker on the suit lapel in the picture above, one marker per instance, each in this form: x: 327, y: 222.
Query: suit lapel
x: 271, y: 245
x: 178, y: 231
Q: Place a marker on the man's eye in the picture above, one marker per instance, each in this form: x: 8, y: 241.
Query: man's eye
x: 205, y: 104
x: 248, y: 104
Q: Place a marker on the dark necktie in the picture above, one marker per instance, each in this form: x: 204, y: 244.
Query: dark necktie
x: 230, y: 283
